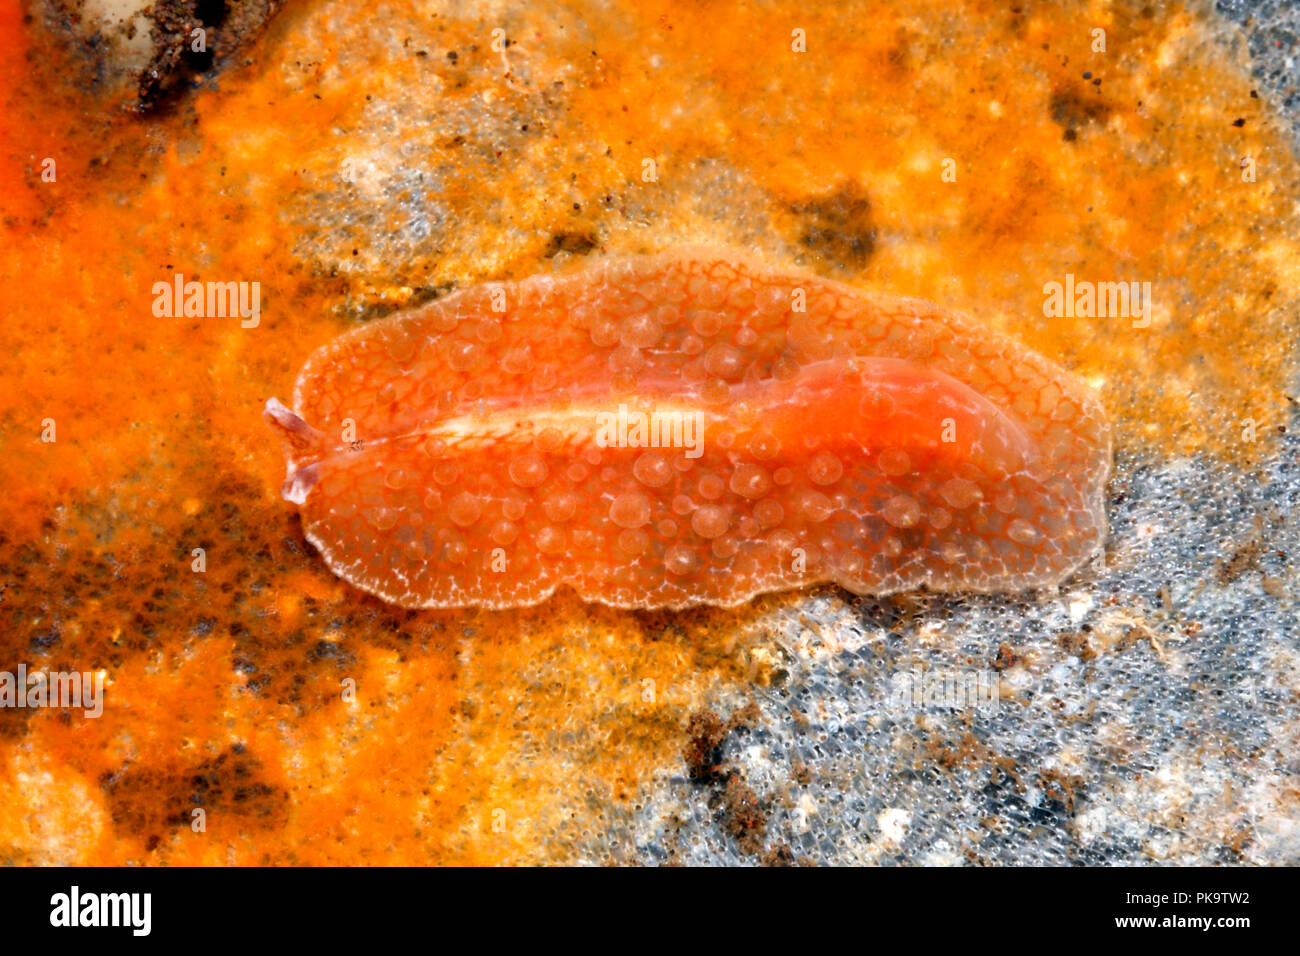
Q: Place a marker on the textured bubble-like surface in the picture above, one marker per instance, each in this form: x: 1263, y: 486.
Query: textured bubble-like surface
x: 487, y: 448
x: 1145, y: 712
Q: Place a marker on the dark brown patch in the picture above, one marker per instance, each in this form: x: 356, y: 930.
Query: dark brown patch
x: 1073, y: 110
x: 149, y: 800
x: 781, y: 855
x: 1075, y: 643
x: 744, y: 815
x: 1006, y: 657
x: 705, y: 734
x: 1061, y: 787
x: 838, y: 227
x: 741, y: 812
x: 227, y: 27
x: 574, y: 243
x: 1243, y: 558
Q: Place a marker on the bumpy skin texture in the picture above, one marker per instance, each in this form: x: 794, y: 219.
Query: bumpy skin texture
x: 870, y: 441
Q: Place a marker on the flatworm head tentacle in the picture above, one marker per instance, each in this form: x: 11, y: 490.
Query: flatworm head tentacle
x: 687, y: 428
x: 306, y: 444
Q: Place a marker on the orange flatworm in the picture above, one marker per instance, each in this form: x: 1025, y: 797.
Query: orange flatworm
x: 689, y: 428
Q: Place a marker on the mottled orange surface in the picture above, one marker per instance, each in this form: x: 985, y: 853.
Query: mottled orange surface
x: 684, y: 429
x: 493, y: 737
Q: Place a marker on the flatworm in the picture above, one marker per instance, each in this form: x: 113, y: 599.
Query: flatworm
x: 689, y: 428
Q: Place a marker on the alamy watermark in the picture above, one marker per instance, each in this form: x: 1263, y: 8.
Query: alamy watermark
x: 970, y: 690
x: 64, y: 689
x: 133, y: 911
x: 208, y: 300
x: 1107, y: 300
x: 659, y: 429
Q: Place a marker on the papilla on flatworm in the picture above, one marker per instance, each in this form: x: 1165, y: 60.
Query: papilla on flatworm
x: 689, y: 428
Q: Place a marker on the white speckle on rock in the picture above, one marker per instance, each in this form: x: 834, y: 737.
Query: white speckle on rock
x: 802, y: 812
x: 893, y: 823
x: 1079, y: 604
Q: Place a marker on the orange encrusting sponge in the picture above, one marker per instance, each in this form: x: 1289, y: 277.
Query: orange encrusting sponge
x: 689, y: 428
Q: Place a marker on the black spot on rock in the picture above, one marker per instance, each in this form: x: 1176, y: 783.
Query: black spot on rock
x: 176, y: 63
x: 1073, y: 110
x: 575, y: 243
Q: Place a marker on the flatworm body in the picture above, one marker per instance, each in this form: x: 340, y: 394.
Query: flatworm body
x: 689, y: 428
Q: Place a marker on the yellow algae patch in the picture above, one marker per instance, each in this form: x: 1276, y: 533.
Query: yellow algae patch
x: 53, y: 816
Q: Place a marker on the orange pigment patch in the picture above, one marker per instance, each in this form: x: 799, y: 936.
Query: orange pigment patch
x: 684, y: 429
